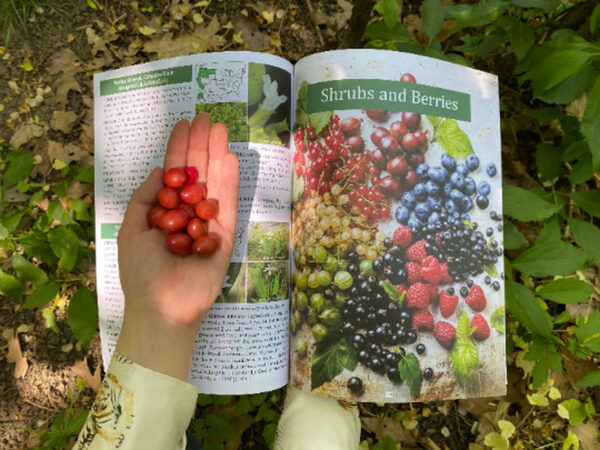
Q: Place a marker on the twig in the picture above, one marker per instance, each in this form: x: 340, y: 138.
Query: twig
x: 20, y: 19
x: 38, y: 405
x: 314, y: 21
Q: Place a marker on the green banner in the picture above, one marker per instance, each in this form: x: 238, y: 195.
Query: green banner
x: 109, y: 230
x: 144, y: 80
x: 390, y: 96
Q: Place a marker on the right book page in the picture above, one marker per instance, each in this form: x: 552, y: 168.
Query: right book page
x: 398, y: 277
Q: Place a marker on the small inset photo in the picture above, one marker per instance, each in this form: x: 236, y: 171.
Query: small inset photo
x: 268, y: 241
x: 268, y: 281
x: 234, y: 286
x: 269, y: 104
x: 232, y: 115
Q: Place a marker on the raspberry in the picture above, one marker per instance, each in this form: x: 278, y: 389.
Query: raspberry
x: 416, y: 252
x: 414, y: 272
x: 417, y: 296
x: 401, y: 288
x: 402, y: 236
x: 448, y: 303
x: 446, y: 278
x: 422, y: 320
x: 482, y: 329
x: 444, y: 333
x: 476, y: 299
x: 433, y: 292
x: 430, y: 270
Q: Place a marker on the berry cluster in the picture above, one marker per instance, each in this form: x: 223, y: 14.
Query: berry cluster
x: 183, y: 211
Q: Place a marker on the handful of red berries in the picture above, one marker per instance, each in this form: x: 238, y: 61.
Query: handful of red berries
x: 183, y: 212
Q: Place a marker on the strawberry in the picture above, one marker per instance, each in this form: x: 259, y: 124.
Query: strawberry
x: 416, y: 252
x: 476, y: 299
x: 444, y: 333
x: 430, y: 270
x: 413, y: 270
x: 446, y: 278
x: 422, y: 320
x: 448, y: 303
x: 402, y: 236
x: 482, y: 329
x: 417, y: 296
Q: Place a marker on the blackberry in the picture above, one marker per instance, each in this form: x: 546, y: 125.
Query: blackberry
x: 377, y: 366
x: 394, y: 375
x: 355, y: 385
x: 421, y: 348
x: 464, y: 291
x: 428, y: 373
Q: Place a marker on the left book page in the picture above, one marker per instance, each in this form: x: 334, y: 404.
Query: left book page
x: 242, y: 346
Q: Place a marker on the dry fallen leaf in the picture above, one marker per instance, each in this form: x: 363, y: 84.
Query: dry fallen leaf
x: 587, y: 434
x: 63, y: 85
x: 64, y: 60
x: 82, y: 370
x: 25, y: 133
x: 15, y: 355
x: 63, y: 121
x: 201, y: 40
x: 64, y: 153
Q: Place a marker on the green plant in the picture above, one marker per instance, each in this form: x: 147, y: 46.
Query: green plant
x: 64, y: 426
x: 269, y: 280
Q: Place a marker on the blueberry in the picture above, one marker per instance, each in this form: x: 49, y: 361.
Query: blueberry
x: 462, y: 169
x: 437, y: 174
x: 496, y: 285
x: 491, y: 169
x: 487, y: 279
x: 414, y: 223
x: 472, y: 162
x: 422, y: 171
x: 469, y: 282
x: 457, y: 180
x: 402, y: 214
x: 450, y: 206
x: 428, y: 373
x: 433, y: 218
x: 419, y: 191
x: 421, y: 348
x: 482, y: 201
x: 489, y: 232
x: 355, y: 385
x: 493, y: 215
x: 434, y: 202
x: 464, y: 291
x: 484, y: 188
x: 500, y: 227
x: 466, y: 204
x: 408, y: 199
x: 432, y: 189
x: 469, y: 186
x: 448, y: 162
x: 465, y: 217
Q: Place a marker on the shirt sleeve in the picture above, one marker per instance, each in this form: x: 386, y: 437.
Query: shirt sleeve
x: 138, y: 408
x: 309, y: 421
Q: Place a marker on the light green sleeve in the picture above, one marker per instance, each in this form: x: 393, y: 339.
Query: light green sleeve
x: 138, y: 408
x: 311, y: 422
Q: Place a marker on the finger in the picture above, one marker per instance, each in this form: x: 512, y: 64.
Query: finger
x: 218, y: 146
x: 142, y: 199
x: 198, y: 145
x: 177, y: 147
x: 228, y: 193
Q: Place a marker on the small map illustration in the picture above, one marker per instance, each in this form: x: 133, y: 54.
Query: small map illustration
x: 222, y: 84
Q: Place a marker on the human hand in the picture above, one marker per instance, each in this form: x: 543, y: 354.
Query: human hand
x: 167, y: 296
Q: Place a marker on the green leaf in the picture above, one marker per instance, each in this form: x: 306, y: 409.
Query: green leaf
x: 575, y: 411
x: 521, y: 38
x: 393, y: 292
x: 269, y: 432
x: 82, y: 316
x: 12, y: 219
x: 453, y: 140
x: 587, y: 331
x: 587, y: 235
x: 513, y: 239
x: 385, y: 443
x: 590, y: 379
x: 491, y: 42
x: 65, y: 245
x: 380, y: 31
x: 317, y: 120
x: 475, y: 16
x: 588, y: 200
x: 544, y: 114
x: 582, y: 171
x: 389, y: 9
x: 548, y: 161
x: 546, y: 5
x: 465, y: 359
x: 522, y: 304
x: 595, y: 20
x: 590, y: 125
x: 525, y: 205
x: 10, y: 286
x: 41, y: 296
x: 571, y: 88
x: 550, y: 258
x: 27, y: 271
x: 48, y: 315
x: 410, y: 371
x: 433, y: 17
x: 463, y: 325
x: 330, y: 357
x: 218, y: 428
x: 497, y: 320
x: 566, y: 291
x: 555, y: 68
x: 19, y: 168
x: 496, y: 441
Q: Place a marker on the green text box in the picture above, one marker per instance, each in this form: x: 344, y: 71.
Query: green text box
x: 161, y: 77
x: 390, y: 96
x: 109, y: 230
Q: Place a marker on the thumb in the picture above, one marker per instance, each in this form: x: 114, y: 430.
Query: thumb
x: 142, y: 199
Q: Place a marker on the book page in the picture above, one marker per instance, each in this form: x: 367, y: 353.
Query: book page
x: 242, y: 346
x: 398, y: 292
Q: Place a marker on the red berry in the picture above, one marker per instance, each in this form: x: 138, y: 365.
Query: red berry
x: 377, y: 134
x: 422, y: 320
x: 193, y: 193
x: 206, y: 209
x: 413, y: 271
x: 398, y: 129
x: 179, y: 244
x: 188, y: 209
x: 448, y: 303
x: 430, y: 270
x: 391, y: 187
x: 416, y: 252
x: 397, y: 166
x: 410, y: 178
x: 174, y: 177
x: 446, y: 278
x: 402, y: 236
x: 410, y: 142
x: 376, y: 114
x: 482, y: 329
x: 417, y: 296
x: 408, y: 78
x: 350, y: 126
x: 191, y: 174
x: 444, y: 333
x: 168, y: 197
x: 196, y: 227
x: 411, y: 120
x: 155, y: 214
x: 476, y: 298
x: 205, y: 245
x: 174, y: 220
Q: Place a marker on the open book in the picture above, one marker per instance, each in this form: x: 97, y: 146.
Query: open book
x: 368, y: 258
